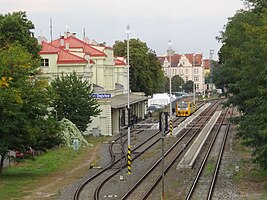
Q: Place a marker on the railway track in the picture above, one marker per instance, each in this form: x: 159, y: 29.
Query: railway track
x: 151, y: 179
x: 111, y: 168
x: 94, y: 187
x: 214, y: 153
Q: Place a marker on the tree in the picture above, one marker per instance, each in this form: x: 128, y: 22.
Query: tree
x: 188, y: 86
x: 146, y: 74
x: 177, y: 83
x: 244, y: 74
x: 16, y: 27
x: 73, y: 100
x: 24, y: 120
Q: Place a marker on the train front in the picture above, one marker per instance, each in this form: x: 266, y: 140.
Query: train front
x: 182, y: 109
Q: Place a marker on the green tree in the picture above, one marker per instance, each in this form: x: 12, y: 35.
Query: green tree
x: 146, y: 74
x: 177, y: 83
x: 73, y: 100
x: 16, y: 27
x: 188, y: 86
x: 244, y: 74
x: 24, y: 119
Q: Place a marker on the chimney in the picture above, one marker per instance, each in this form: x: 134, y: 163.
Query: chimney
x: 67, y: 31
x: 62, y: 41
x: 67, y: 47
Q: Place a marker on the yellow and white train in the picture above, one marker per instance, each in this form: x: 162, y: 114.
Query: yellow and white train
x: 184, y: 108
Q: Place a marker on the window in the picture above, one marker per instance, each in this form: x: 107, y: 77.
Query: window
x: 186, y: 71
x: 186, y: 78
x: 45, y: 62
x: 196, y: 71
x: 196, y: 79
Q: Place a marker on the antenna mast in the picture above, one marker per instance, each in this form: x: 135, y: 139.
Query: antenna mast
x: 51, y: 30
x: 83, y: 32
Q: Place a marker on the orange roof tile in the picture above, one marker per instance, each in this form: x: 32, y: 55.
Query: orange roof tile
x: 48, y: 49
x: 120, y: 62
x: 76, y: 43
x: 66, y: 57
x: 206, y: 64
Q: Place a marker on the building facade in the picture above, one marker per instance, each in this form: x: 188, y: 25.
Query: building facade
x: 187, y: 66
x: 106, y: 73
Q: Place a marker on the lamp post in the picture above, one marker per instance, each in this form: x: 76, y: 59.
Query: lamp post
x: 170, y: 77
x: 129, y: 163
x: 194, y: 88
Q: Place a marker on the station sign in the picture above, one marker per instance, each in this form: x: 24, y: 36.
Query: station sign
x: 101, y: 96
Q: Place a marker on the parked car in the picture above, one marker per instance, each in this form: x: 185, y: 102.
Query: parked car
x: 154, y: 107
x: 21, y: 154
x: 30, y: 151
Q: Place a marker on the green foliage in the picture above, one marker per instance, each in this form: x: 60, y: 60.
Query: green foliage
x: 177, y: 83
x: 16, y: 27
x: 188, y: 86
x: 146, y: 74
x: 24, y: 119
x: 244, y: 74
x: 71, y: 132
x: 73, y: 100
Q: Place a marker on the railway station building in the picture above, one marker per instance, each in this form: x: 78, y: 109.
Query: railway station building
x: 106, y: 73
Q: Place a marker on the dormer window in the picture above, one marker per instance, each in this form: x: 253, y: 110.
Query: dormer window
x: 45, y: 62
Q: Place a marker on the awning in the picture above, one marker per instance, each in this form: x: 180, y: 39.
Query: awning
x: 121, y: 101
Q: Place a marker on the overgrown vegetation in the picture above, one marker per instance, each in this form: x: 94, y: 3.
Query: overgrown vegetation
x: 244, y: 74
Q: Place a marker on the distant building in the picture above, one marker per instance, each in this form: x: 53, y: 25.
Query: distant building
x: 187, y: 66
x: 106, y: 73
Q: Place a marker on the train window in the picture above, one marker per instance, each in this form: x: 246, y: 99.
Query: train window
x: 182, y: 105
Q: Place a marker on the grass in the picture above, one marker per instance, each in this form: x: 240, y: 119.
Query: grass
x: 19, y: 180
x: 251, y: 179
x: 209, y: 167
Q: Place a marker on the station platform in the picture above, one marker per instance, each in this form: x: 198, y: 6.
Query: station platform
x: 192, y: 153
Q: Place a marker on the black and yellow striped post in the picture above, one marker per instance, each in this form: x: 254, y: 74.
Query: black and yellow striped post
x: 129, y: 163
x: 170, y: 126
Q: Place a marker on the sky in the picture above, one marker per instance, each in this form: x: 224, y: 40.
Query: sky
x: 190, y: 25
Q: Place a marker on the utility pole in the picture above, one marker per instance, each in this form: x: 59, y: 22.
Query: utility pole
x: 129, y: 161
x: 170, y: 77
x: 163, y: 127
x: 194, y: 88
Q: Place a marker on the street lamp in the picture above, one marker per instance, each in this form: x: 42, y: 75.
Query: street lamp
x: 128, y: 102
x: 170, y: 77
x: 194, y: 88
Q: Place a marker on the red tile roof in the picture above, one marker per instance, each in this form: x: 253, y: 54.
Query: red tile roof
x: 48, y: 49
x: 120, y: 62
x: 176, y: 58
x: 65, y: 57
x: 206, y: 64
x: 197, y: 58
x: 76, y: 43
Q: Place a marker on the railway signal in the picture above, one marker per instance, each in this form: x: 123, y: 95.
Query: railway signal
x: 163, y: 127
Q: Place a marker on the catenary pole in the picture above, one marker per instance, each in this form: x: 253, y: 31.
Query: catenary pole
x: 129, y: 161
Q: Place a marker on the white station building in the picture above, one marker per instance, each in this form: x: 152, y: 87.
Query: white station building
x: 106, y: 73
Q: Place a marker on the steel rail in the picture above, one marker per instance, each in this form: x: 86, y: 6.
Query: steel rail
x: 194, y: 184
